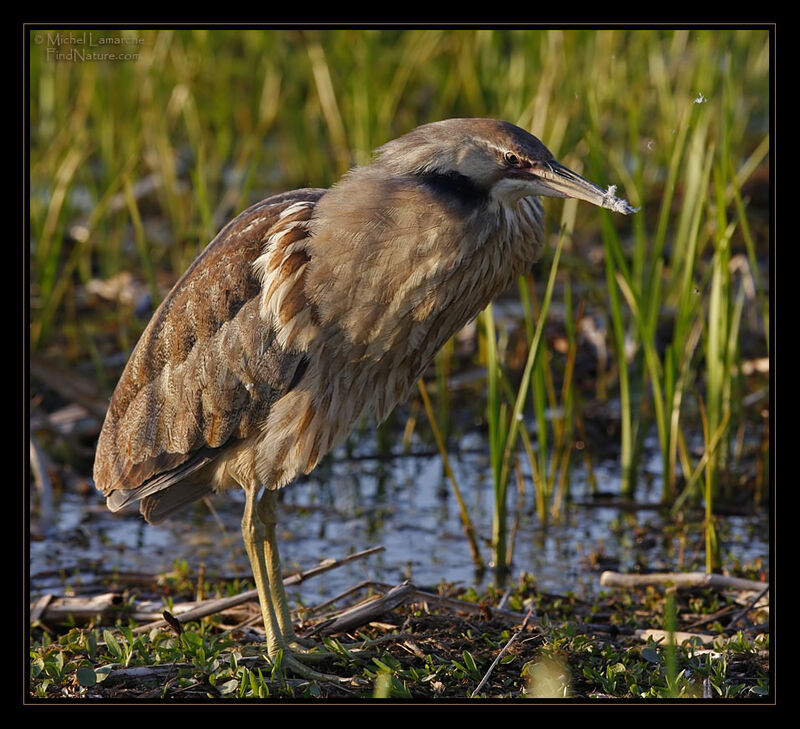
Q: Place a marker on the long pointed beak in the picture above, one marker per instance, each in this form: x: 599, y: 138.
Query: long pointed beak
x: 561, y: 181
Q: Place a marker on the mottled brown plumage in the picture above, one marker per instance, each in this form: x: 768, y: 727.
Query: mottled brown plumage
x: 203, y: 375
x: 315, y: 307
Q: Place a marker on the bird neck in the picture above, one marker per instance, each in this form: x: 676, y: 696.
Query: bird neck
x: 391, y: 258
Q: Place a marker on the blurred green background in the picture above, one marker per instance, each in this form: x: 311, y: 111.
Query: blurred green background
x: 136, y: 162
x: 238, y: 114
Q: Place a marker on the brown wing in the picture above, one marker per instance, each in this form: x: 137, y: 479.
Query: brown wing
x: 204, y: 373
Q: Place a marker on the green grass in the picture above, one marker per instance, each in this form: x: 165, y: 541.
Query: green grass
x: 504, y: 418
x: 212, y: 120
x: 564, y: 658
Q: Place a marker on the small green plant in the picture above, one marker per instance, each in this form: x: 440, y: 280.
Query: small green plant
x: 386, y: 679
x: 504, y: 415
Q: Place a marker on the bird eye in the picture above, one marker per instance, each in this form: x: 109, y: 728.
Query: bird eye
x: 512, y: 159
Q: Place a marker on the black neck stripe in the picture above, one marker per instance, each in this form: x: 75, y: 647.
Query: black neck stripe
x: 456, y: 186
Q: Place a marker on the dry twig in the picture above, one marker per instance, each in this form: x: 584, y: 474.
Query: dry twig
x: 680, y: 580
x: 504, y: 650
x: 54, y: 610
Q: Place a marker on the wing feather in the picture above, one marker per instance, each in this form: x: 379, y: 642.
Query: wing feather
x: 204, y: 374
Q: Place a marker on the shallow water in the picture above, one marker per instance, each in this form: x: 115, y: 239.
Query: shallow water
x: 402, y: 503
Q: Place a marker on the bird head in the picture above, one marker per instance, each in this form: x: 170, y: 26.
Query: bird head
x: 498, y: 158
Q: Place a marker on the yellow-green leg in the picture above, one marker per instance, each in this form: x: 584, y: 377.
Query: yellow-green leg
x: 254, y: 536
x: 258, y: 533
x: 267, y: 513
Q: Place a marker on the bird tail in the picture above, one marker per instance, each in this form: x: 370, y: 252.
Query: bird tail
x: 160, y: 505
x: 167, y: 492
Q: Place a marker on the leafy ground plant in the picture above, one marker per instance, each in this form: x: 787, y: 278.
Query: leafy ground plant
x: 572, y: 650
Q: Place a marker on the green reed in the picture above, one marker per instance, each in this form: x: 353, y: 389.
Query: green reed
x: 505, y: 412
x: 692, y: 278
x: 135, y: 166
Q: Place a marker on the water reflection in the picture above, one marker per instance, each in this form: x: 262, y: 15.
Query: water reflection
x: 403, y: 504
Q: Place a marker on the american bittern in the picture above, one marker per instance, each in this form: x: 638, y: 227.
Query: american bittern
x: 314, y: 307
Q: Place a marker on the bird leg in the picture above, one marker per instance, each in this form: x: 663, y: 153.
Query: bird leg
x: 267, y: 513
x: 254, y: 534
x: 258, y: 533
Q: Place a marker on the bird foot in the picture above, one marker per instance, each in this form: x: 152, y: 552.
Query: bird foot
x: 314, y: 650
x: 297, y: 664
x: 300, y: 657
